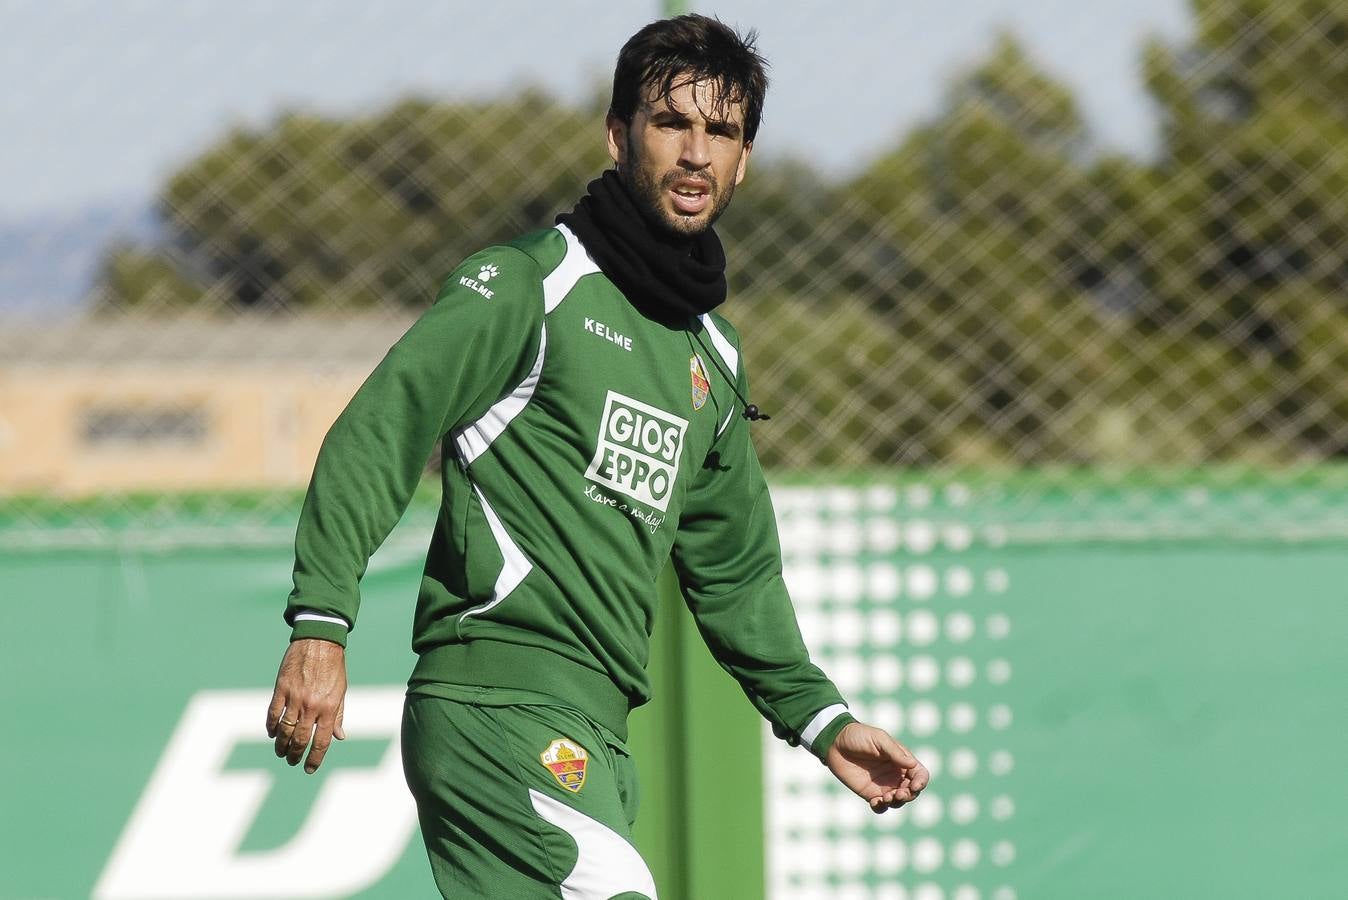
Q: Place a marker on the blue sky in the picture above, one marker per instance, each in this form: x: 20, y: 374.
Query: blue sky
x: 105, y: 97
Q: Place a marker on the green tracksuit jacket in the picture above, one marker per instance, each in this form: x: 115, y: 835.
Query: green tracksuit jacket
x: 585, y: 444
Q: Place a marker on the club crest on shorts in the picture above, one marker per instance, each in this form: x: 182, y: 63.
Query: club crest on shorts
x: 566, y: 760
x: 701, y: 385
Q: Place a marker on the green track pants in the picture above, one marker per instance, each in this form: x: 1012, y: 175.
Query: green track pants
x: 519, y: 799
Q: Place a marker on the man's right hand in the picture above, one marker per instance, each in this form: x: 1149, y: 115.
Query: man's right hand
x: 308, y: 702
x: 876, y: 767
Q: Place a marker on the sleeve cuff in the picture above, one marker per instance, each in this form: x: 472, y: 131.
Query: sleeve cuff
x: 309, y: 623
x: 824, y: 727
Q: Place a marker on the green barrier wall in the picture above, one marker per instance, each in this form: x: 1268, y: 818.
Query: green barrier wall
x: 108, y: 652
x: 1143, y: 718
x: 105, y: 651
x: 1180, y: 718
x: 1107, y: 714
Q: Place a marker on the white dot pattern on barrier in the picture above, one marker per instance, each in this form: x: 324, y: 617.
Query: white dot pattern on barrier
x: 919, y: 537
x: 960, y: 672
x: 918, y: 496
x: 1003, y: 853
x: 886, y: 674
x: 999, y: 717
x: 959, y: 627
x: 883, y: 535
x: 964, y: 809
x: 904, y: 600
x: 957, y: 537
x: 846, y: 583
x: 923, y: 628
x: 846, y: 629
x: 928, y: 813
x: 921, y: 582
x: 924, y: 673
x: 959, y: 581
x: 841, y: 500
x: 881, y: 498
x: 852, y: 856
x: 964, y: 854
x: 963, y: 763
x: 891, y: 856
x: 962, y: 718
x: 849, y: 674
x: 885, y: 628
x: 924, y: 718
x: 842, y: 538
x: 882, y: 582
x: 889, y: 716
x: 928, y: 854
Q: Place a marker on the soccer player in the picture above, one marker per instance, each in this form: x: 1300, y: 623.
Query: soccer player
x: 595, y: 418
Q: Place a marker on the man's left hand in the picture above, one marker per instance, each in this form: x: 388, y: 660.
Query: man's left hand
x: 876, y: 767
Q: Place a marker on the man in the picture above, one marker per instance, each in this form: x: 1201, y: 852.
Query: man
x: 596, y: 424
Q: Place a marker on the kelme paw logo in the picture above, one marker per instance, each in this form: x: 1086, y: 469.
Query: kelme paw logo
x: 488, y: 273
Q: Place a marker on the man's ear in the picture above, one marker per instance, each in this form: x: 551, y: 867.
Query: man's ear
x: 616, y: 132
x: 744, y: 162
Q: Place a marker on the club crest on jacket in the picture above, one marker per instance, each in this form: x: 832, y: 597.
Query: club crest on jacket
x: 701, y: 384
x: 566, y: 760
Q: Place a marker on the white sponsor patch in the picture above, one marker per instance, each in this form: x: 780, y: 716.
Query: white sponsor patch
x: 638, y: 449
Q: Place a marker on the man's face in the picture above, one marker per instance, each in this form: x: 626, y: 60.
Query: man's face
x: 681, y: 159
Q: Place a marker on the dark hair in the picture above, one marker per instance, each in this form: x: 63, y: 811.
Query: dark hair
x: 672, y: 52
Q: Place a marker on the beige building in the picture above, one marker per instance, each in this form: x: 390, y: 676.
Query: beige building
x: 108, y: 405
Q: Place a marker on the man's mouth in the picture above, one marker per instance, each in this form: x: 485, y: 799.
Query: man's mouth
x: 690, y: 196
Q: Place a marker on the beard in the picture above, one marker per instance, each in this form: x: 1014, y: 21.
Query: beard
x: 648, y: 191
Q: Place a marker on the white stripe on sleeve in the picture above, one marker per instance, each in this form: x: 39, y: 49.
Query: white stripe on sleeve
x: 821, y: 720
x: 308, y: 615
x: 474, y: 439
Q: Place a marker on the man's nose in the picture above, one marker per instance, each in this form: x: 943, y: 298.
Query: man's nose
x: 696, y: 149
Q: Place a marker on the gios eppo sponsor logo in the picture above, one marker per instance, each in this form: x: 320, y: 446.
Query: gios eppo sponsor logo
x: 638, y: 449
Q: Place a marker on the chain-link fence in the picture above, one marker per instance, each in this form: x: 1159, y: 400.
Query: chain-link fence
x: 1009, y: 366
x: 995, y: 291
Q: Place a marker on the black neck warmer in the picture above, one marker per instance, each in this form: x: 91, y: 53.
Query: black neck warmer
x: 668, y: 277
